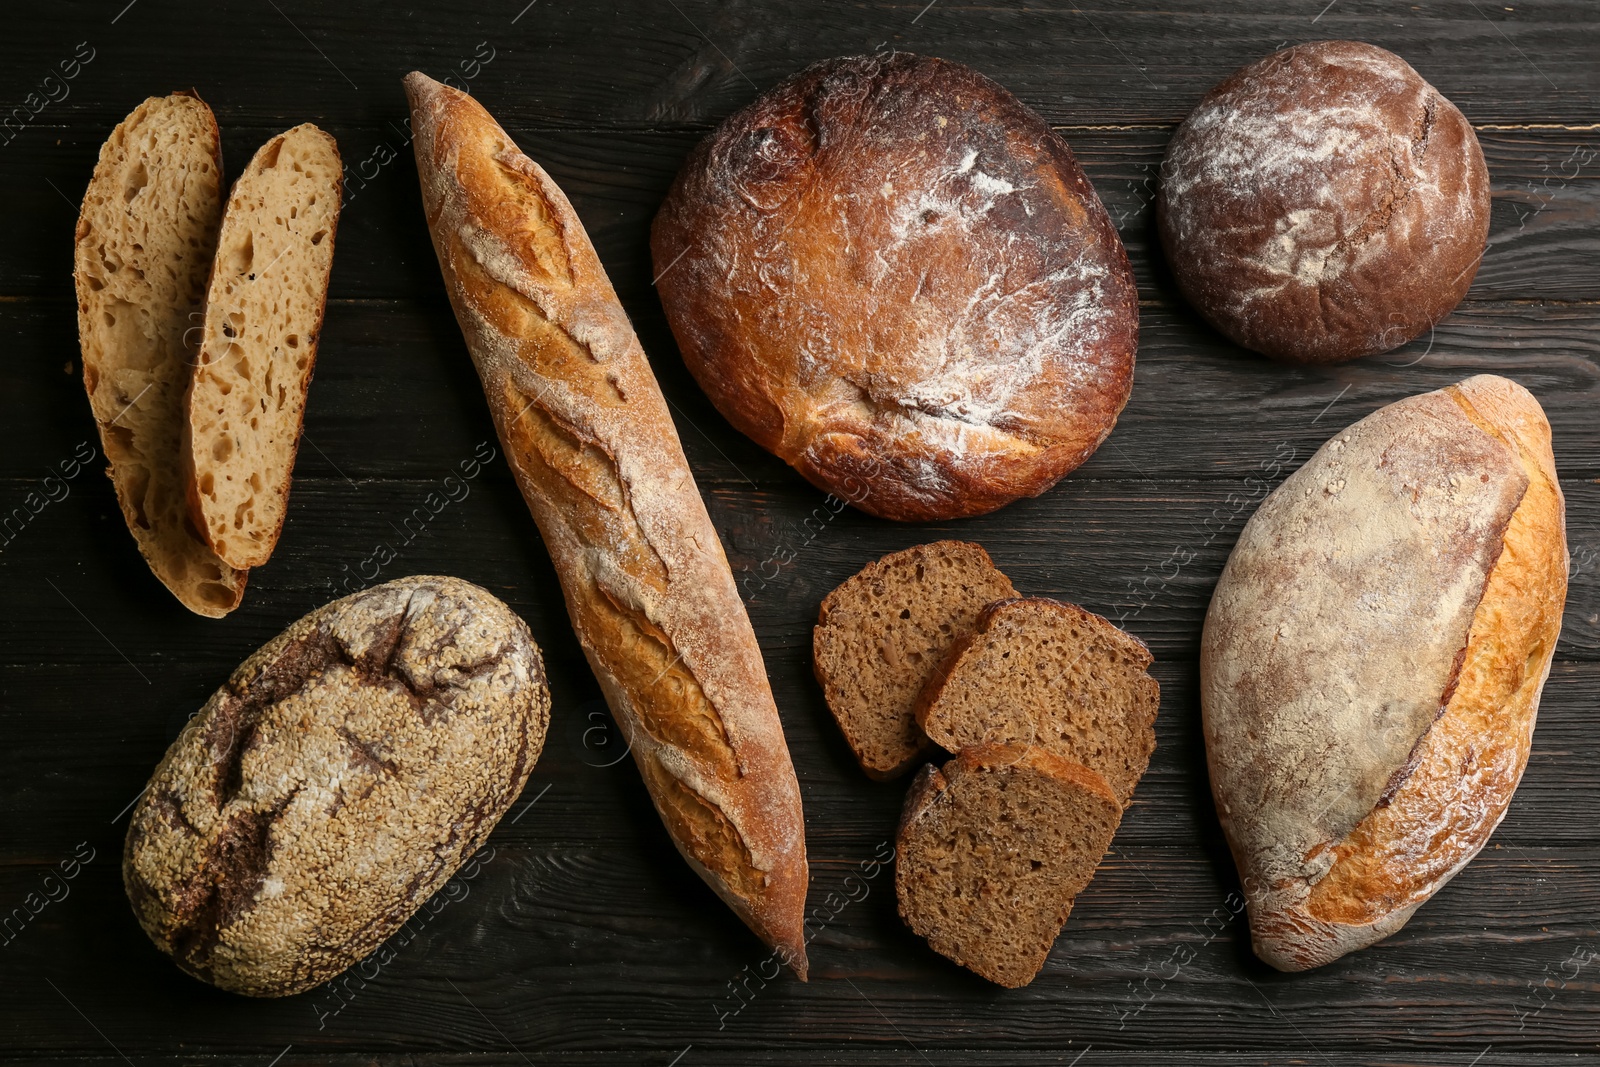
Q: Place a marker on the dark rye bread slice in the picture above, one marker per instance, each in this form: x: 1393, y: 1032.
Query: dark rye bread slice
x: 881, y: 635
x: 992, y: 850
x: 1037, y: 671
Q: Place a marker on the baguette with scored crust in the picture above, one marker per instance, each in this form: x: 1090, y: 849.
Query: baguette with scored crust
x: 588, y: 436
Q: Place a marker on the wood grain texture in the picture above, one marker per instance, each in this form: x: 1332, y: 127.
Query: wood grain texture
x: 583, y: 939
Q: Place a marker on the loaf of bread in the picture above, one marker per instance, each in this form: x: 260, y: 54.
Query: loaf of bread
x: 1372, y: 661
x: 339, y: 778
x: 588, y: 436
x: 882, y: 635
x: 263, y: 315
x: 1324, y: 203
x: 1035, y: 671
x: 993, y: 849
x: 891, y: 273
x: 142, y: 252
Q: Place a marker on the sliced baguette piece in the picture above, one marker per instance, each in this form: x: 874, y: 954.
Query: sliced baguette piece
x: 992, y: 850
x: 1038, y: 671
x: 589, y: 436
x: 142, y: 250
x: 263, y: 316
x: 883, y: 632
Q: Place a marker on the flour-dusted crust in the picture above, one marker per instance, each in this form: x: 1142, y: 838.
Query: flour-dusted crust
x: 1372, y: 661
x: 892, y: 274
x: 1324, y: 203
x: 339, y: 778
x: 142, y: 251
x: 593, y: 448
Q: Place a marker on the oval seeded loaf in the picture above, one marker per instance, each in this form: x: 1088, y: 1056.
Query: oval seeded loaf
x: 1372, y: 660
x: 339, y: 778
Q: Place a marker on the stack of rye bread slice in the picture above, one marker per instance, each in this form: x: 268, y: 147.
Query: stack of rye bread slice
x: 1049, y: 711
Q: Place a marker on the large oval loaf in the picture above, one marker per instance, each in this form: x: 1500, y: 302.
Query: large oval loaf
x: 1372, y: 661
x: 339, y: 778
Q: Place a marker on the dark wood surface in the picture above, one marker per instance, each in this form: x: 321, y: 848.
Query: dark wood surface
x: 583, y: 938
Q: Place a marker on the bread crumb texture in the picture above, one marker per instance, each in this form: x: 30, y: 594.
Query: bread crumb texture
x: 264, y: 309
x: 339, y: 778
x: 1039, y: 672
x: 884, y: 632
x: 1372, y: 661
x: 1324, y: 203
x: 892, y: 274
x: 142, y: 252
x: 992, y: 850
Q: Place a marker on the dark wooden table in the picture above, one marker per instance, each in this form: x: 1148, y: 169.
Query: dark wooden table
x: 582, y: 937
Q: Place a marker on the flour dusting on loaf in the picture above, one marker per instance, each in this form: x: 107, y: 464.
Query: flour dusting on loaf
x: 892, y: 274
x: 1324, y: 203
x: 1372, y: 659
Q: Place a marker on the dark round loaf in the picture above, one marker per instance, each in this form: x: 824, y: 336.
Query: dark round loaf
x: 892, y: 274
x: 1324, y: 203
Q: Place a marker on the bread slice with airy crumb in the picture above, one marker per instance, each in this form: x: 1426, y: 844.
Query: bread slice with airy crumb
x: 881, y: 635
x: 264, y: 311
x: 993, y: 849
x: 142, y: 251
x: 1037, y: 671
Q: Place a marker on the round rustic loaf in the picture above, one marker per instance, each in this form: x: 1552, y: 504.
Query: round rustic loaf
x: 339, y: 778
x: 1372, y: 660
x: 892, y: 274
x: 1324, y: 203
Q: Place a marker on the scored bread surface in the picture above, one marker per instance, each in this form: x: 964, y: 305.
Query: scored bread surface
x: 883, y: 633
x: 1037, y: 671
x: 336, y: 781
x: 263, y: 317
x: 594, y: 450
x: 1372, y: 662
x: 992, y: 850
x: 142, y: 252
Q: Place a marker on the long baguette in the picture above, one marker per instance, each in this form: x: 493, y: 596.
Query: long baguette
x: 647, y: 586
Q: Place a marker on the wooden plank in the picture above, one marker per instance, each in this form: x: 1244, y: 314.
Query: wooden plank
x: 395, y: 395
x: 690, y: 65
x: 1543, y: 243
x: 1147, y: 554
x: 547, y: 942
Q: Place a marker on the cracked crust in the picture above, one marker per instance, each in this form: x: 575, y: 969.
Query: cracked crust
x: 893, y: 275
x: 1372, y: 662
x: 338, y: 779
x: 1324, y: 203
x: 588, y: 436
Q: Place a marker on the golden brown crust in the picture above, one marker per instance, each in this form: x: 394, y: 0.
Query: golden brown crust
x: 1469, y: 763
x: 1359, y: 762
x: 893, y: 275
x: 587, y: 433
